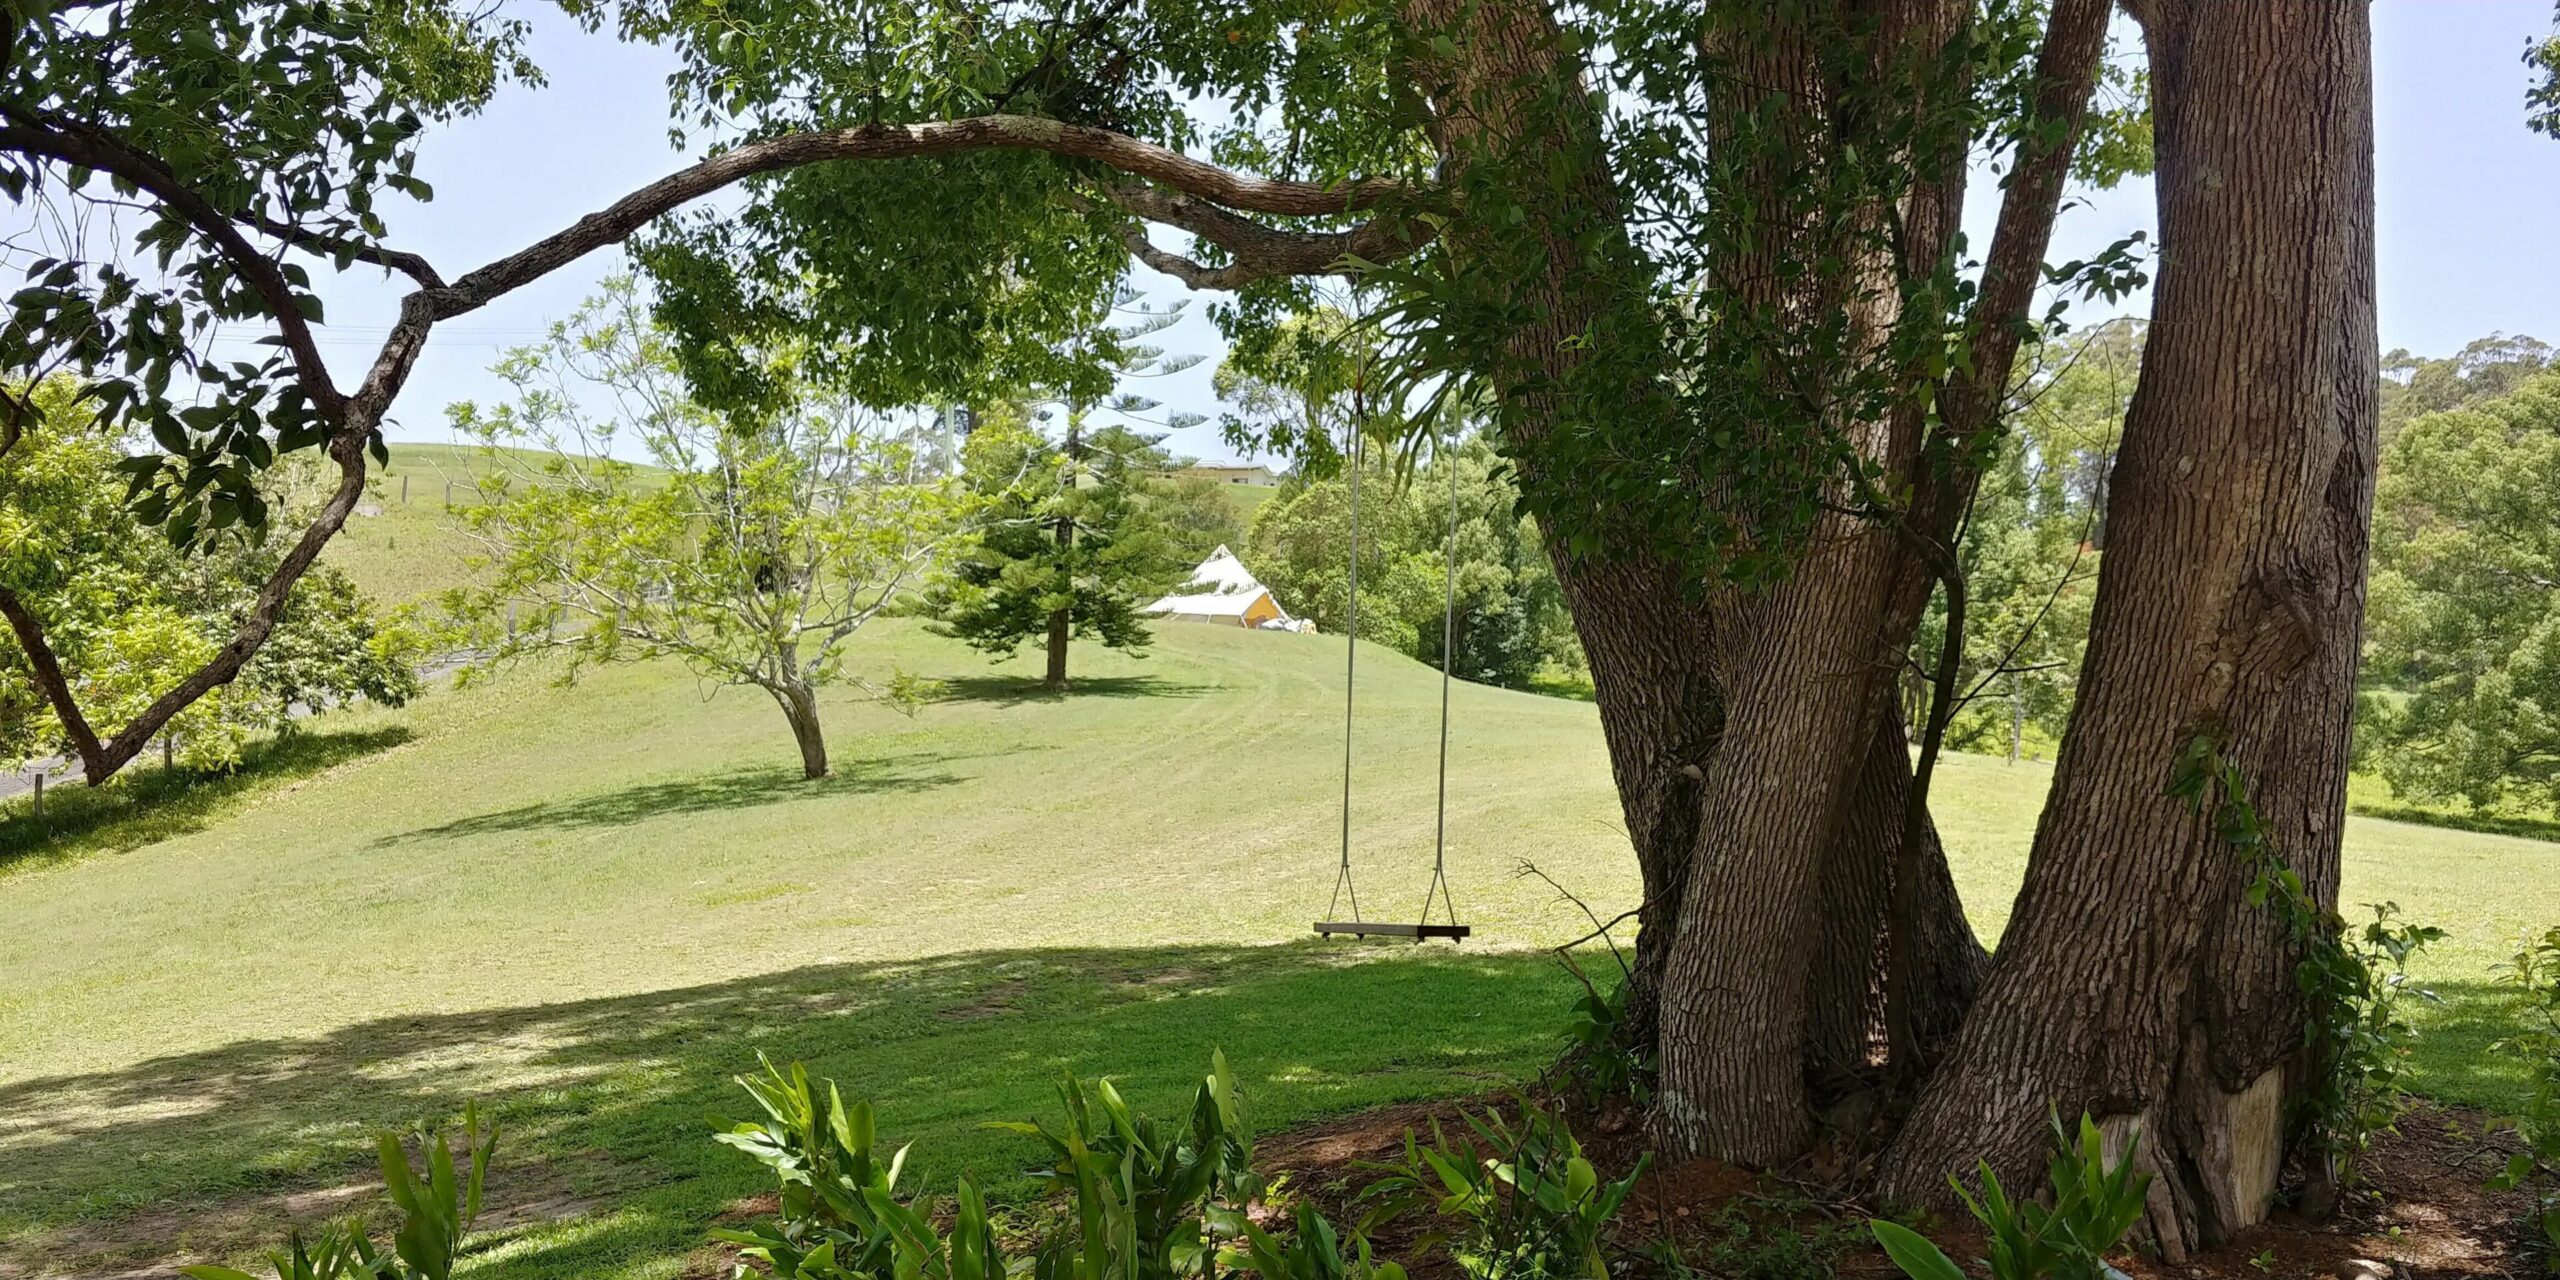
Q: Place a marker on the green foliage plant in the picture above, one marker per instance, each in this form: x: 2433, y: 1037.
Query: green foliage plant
x: 1140, y: 1201
x: 1315, y: 1251
x: 2092, y: 1206
x: 1600, y: 1061
x: 437, y: 1206
x: 1149, y: 1201
x: 1522, y: 1200
x: 829, y: 1177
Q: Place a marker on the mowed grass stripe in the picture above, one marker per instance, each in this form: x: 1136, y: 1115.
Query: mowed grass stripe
x: 596, y: 904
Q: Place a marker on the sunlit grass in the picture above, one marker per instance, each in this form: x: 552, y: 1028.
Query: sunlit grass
x: 593, y: 906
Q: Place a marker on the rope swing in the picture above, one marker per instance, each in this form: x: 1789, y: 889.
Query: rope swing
x: 1343, y: 884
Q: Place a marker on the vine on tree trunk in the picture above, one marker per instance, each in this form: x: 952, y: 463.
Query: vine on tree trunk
x: 2355, y: 1042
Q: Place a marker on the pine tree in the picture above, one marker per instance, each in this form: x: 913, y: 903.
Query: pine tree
x: 1075, y: 545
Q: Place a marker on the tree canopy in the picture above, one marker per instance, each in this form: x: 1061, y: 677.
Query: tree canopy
x: 750, y: 551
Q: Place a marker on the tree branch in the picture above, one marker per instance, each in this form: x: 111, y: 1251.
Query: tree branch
x: 97, y: 149
x: 408, y: 264
x: 1119, y: 151
x: 1260, y: 252
x: 2066, y: 76
x: 355, y: 418
x: 48, y: 673
x: 254, y: 630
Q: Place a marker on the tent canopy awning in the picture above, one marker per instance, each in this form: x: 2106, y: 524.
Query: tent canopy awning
x: 1220, y: 588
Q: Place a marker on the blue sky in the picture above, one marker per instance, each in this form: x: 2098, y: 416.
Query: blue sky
x: 2469, y: 214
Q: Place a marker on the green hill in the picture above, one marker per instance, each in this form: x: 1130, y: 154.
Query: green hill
x: 595, y: 905
x: 402, y: 544
x: 1248, y: 498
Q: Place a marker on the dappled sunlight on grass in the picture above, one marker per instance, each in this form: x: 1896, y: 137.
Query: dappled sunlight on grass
x: 945, y: 1044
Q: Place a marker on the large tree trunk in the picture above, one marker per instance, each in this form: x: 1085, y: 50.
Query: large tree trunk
x: 1809, y: 663
x: 2135, y: 982
x: 1811, y: 659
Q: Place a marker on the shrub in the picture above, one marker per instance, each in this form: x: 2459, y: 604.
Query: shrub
x: 831, y: 1185
x: 1315, y: 1252
x: 1148, y: 1202
x: 436, y: 1210
x: 1139, y: 1201
x: 1525, y: 1201
x: 1599, y: 1060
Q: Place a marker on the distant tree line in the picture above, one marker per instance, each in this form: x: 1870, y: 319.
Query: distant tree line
x: 2461, y: 696
x: 1505, y: 617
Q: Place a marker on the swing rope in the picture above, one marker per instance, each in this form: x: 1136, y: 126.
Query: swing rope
x: 1350, y: 665
x: 1343, y: 883
x: 1448, y: 659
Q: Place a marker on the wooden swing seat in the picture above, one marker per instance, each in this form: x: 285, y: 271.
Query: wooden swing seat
x: 1380, y: 929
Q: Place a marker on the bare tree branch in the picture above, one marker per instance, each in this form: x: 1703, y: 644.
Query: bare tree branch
x: 616, y: 222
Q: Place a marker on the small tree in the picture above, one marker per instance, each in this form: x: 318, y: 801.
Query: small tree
x: 1069, y: 547
x: 129, y: 613
x: 751, y: 551
x: 1078, y: 539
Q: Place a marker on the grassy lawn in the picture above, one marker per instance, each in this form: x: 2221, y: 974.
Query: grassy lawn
x: 595, y: 905
x: 1248, y: 498
x: 402, y: 545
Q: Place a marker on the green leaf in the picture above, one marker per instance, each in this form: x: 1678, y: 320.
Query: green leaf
x: 1911, y: 1251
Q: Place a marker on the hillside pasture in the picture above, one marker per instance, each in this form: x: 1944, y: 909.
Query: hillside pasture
x: 595, y: 905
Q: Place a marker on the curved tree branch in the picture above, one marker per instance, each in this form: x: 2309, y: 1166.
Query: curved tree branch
x: 616, y: 222
x: 97, y: 149
x: 1212, y: 192
x: 48, y: 674
x: 1260, y: 252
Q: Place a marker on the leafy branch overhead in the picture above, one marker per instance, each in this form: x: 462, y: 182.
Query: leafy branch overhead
x: 191, y: 171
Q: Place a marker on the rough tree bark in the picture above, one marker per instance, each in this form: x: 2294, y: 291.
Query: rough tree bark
x: 2134, y: 982
x: 1808, y: 664
x: 1665, y: 653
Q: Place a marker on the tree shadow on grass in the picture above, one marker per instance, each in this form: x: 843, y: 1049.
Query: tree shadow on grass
x: 732, y: 789
x: 607, y: 1101
x: 1012, y: 691
x: 149, y: 804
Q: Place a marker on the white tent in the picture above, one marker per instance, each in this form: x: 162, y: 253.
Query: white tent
x: 1222, y: 590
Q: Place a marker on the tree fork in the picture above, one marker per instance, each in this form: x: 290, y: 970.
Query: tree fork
x: 2134, y: 981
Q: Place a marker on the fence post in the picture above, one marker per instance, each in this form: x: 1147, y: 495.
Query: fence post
x: 404, y: 491
x: 168, y: 753
x: 39, y: 797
